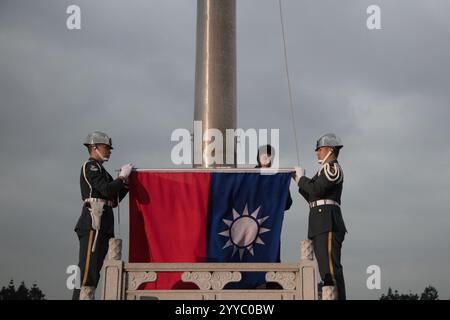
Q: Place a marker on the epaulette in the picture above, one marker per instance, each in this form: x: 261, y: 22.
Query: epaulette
x: 92, y: 165
x: 333, y: 172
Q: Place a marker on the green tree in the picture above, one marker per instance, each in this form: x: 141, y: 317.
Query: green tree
x: 9, y: 292
x: 35, y: 293
x: 22, y: 293
x: 388, y: 296
x: 397, y: 296
x: 430, y: 293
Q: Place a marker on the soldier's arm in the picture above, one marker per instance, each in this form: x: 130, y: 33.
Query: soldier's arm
x: 304, y: 194
x: 288, y: 201
x: 99, y: 182
x: 121, y: 195
x: 320, y: 186
x: 123, y: 192
x: 316, y: 187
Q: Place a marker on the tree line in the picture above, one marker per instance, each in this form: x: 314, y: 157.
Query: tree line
x: 34, y: 293
x: 21, y: 293
x: 429, y: 293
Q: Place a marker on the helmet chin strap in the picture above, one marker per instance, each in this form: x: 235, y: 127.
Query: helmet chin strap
x: 326, y: 157
x: 100, y: 155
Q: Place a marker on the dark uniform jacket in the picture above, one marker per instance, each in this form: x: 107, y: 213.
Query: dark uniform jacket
x: 324, y: 218
x: 96, y: 182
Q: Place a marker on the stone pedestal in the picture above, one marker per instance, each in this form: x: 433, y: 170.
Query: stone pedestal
x: 307, y: 252
x: 122, y: 281
x: 115, y: 249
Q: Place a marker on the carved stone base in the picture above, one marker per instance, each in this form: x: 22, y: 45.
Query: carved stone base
x: 135, y: 279
x: 206, y: 281
x: 297, y: 280
x: 307, y: 252
x: 202, y: 279
x: 115, y: 249
x: 285, y: 279
x: 220, y: 278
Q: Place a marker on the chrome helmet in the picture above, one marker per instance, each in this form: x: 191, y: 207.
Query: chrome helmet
x: 98, y: 137
x: 329, y: 140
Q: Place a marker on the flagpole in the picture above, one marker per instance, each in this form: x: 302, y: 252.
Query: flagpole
x: 215, y: 78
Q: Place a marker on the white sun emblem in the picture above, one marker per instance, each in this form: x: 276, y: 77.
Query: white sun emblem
x: 243, y: 231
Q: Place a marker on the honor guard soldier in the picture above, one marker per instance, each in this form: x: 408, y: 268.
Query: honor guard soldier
x: 326, y: 226
x: 100, y: 194
x: 266, y: 154
x: 264, y: 159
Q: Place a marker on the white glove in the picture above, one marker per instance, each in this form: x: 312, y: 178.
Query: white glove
x: 126, y: 170
x: 299, y: 172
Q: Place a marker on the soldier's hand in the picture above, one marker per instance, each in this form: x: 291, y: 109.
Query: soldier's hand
x: 299, y: 172
x: 125, y: 171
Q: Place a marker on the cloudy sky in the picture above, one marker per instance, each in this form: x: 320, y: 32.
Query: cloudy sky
x: 130, y: 72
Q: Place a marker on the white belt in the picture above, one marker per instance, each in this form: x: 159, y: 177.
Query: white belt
x: 108, y: 203
x: 323, y: 202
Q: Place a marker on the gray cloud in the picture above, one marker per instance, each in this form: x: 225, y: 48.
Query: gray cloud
x: 130, y: 72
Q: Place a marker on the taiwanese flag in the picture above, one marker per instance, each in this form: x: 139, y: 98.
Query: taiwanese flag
x: 206, y: 217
